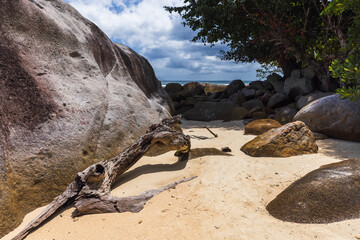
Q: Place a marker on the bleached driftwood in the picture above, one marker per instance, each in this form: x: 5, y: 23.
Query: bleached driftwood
x: 91, y: 190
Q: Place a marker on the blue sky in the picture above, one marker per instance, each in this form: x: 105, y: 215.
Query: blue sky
x: 160, y: 37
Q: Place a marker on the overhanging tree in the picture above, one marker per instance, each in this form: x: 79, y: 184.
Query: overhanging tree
x: 290, y: 33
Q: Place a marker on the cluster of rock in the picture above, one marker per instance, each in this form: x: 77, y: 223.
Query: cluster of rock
x: 275, y: 98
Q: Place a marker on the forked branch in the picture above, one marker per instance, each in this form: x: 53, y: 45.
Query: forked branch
x: 91, y: 189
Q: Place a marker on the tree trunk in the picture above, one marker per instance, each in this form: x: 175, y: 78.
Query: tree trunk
x: 91, y: 189
x: 288, y: 65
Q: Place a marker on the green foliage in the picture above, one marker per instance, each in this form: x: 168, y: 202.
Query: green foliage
x: 349, y: 73
x: 267, y: 69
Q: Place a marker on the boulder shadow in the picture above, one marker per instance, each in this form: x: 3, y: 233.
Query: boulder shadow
x: 340, y: 149
x: 177, y: 166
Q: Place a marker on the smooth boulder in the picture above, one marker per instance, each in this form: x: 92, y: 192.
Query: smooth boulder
x: 328, y: 194
x: 260, y: 126
x: 332, y: 116
x: 289, y: 140
x: 69, y: 97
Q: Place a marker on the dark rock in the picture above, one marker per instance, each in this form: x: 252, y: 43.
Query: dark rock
x: 237, y: 98
x: 285, y: 115
x: 277, y: 100
x: 328, y: 194
x: 332, y: 116
x: 304, y: 85
x: 225, y: 149
x: 232, y: 88
x: 305, y: 100
x: 171, y: 88
x: 256, y: 85
x: 248, y: 93
x: 194, y: 88
x: 260, y: 126
x: 259, y: 115
x: 253, y: 103
x: 208, y: 111
x: 265, y: 98
x: 289, y: 140
x: 267, y: 85
x: 277, y: 82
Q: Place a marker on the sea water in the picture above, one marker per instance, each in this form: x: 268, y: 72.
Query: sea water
x: 182, y: 82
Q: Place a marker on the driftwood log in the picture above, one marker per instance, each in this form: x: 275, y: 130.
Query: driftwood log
x: 91, y: 190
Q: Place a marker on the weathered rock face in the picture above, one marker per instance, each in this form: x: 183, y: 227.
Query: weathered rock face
x: 305, y: 100
x: 68, y: 97
x: 260, y: 126
x: 332, y: 116
x: 208, y: 111
x: 289, y: 140
x: 328, y: 194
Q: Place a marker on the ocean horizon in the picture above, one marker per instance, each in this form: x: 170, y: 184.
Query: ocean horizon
x: 182, y: 82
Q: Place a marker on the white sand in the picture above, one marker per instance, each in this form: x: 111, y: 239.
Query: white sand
x: 226, y: 201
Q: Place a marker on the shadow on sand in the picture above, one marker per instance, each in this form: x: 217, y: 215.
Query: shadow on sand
x: 340, y: 149
x: 179, y: 165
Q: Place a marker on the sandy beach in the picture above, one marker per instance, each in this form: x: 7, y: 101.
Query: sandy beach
x: 227, y: 200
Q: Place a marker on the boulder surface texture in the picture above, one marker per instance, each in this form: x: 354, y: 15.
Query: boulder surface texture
x: 332, y: 116
x: 328, y: 194
x: 260, y: 126
x: 289, y: 140
x: 69, y: 97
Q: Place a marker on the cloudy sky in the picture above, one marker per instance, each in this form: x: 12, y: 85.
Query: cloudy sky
x: 146, y: 27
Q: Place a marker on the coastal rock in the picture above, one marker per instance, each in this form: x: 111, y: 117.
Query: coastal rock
x: 232, y: 88
x: 248, y: 93
x: 253, y: 103
x: 305, y: 100
x: 194, y: 88
x: 277, y: 100
x: 289, y: 140
x: 328, y: 194
x: 211, y: 88
x: 277, y: 82
x: 237, y: 98
x: 260, y: 126
x: 208, y: 111
x: 285, y: 115
x: 69, y: 98
x: 257, y: 85
x: 332, y: 116
x: 258, y: 115
x: 172, y: 88
x: 301, y: 84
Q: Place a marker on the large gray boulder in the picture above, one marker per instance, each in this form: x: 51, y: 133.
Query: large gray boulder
x: 69, y: 97
x: 305, y: 100
x: 332, y: 116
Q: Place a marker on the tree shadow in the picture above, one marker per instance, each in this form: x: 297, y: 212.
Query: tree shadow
x: 340, y: 149
x: 179, y: 165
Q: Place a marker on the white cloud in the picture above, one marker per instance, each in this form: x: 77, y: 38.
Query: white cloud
x: 145, y: 26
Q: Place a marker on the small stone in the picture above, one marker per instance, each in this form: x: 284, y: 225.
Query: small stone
x: 140, y: 221
x: 225, y: 149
